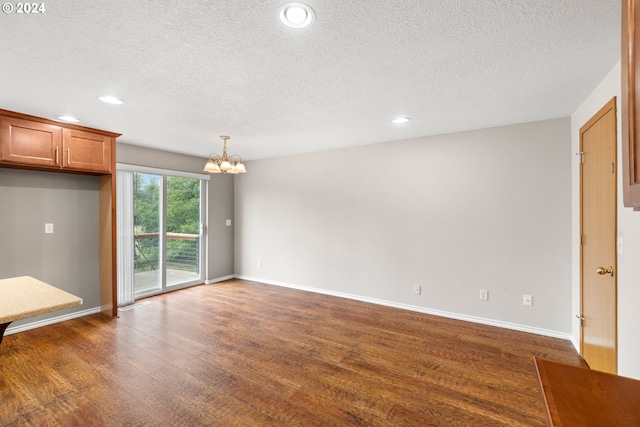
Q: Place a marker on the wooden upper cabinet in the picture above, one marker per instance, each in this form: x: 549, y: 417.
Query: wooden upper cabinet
x: 631, y: 103
x: 86, y: 151
x: 30, y: 143
x: 36, y: 143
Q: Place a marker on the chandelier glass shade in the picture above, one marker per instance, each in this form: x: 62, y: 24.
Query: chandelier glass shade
x: 224, y: 164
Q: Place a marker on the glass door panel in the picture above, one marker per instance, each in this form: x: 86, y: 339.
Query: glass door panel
x: 147, y: 225
x: 183, y: 230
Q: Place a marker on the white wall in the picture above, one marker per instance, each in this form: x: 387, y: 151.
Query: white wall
x: 487, y: 209
x: 628, y: 230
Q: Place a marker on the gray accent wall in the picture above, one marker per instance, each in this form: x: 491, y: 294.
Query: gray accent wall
x: 487, y: 209
x: 219, y: 205
x: 69, y: 257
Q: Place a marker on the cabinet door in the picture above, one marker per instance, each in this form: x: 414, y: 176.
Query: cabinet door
x: 30, y: 143
x: 86, y: 151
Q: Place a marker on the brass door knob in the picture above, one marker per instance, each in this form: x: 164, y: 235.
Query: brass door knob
x: 602, y: 271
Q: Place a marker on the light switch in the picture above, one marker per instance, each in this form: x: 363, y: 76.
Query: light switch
x: 228, y: 223
x: 48, y: 228
x: 620, y: 245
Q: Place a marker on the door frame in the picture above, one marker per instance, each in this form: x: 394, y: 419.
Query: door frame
x: 610, y: 105
x: 128, y: 281
x: 162, y: 239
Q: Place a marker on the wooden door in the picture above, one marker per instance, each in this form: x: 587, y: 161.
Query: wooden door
x: 30, y: 143
x: 598, y: 249
x: 86, y: 151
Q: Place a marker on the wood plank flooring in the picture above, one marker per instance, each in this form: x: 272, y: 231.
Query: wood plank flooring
x: 241, y: 353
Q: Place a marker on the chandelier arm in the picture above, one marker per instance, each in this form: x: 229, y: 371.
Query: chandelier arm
x: 215, y: 157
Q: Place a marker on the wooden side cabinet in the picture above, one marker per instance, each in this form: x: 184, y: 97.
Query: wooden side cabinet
x: 576, y: 396
x: 630, y: 61
x: 29, y: 142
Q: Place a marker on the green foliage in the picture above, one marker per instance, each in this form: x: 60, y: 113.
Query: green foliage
x: 183, y: 205
x: 146, y: 219
x: 146, y: 199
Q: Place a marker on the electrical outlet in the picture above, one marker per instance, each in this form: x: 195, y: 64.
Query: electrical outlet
x: 48, y: 228
x: 484, y: 294
x: 527, y: 300
x: 417, y: 289
x: 260, y: 263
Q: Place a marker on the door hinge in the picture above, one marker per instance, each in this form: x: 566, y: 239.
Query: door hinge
x: 581, y: 154
x: 581, y: 239
x: 581, y: 318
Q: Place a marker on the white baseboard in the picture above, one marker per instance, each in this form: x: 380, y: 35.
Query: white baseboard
x: 576, y: 343
x: 52, y: 320
x: 218, y: 279
x: 457, y: 316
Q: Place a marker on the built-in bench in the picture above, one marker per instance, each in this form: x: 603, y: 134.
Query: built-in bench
x: 23, y: 297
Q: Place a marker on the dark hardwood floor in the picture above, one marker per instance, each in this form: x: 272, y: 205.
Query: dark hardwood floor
x: 242, y: 353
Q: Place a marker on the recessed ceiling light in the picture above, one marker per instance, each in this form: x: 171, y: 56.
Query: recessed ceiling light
x: 110, y: 100
x: 400, y: 120
x: 68, y: 119
x: 296, y: 15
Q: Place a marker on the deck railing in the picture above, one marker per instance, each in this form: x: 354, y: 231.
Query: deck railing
x: 183, y: 251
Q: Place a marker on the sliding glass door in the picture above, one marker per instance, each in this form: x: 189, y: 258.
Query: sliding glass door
x: 163, y: 211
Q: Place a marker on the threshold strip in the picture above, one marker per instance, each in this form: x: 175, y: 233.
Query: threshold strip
x: 135, y: 305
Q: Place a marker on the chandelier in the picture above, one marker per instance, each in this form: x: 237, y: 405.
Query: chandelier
x: 225, y: 164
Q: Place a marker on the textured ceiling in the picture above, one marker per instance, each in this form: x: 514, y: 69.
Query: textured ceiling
x: 191, y: 71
